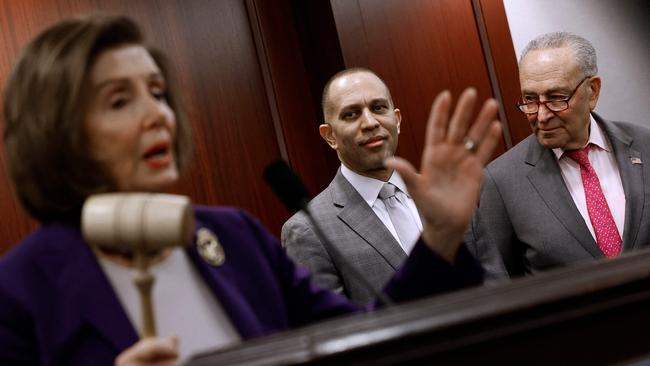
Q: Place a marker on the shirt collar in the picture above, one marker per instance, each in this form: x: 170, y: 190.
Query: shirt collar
x: 368, y: 187
x: 596, y: 137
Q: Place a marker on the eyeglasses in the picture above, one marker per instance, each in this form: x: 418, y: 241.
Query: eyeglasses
x: 556, y: 105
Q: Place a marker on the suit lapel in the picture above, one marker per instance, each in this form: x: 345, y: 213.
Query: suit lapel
x: 360, y: 217
x: 546, y: 177
x: 86, y: 295
x: 631, y: 177
x: 220, y: 281
x: 88, y: 298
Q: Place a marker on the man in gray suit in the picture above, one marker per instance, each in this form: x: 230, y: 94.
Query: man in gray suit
x: 362, y: 125
x: 575, y: 189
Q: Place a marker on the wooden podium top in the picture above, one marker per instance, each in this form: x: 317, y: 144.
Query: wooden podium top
x: 595, y: 313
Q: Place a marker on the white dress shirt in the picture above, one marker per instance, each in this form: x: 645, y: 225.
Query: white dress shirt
x: 369, y: 189
x: 184, y: 306
x: 602, y: 159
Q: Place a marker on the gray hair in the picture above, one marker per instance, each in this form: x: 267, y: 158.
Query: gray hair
x: 584, y: 51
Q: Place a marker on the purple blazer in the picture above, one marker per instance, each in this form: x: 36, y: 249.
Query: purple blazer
x: 58, y: 308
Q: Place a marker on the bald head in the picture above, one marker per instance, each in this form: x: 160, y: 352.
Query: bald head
x: 339, y: 82
x: 361, y: 123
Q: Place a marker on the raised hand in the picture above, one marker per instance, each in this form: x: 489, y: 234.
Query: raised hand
x: 447, y: 187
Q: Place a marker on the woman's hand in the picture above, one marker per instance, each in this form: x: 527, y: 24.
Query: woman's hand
x: 150, y: 351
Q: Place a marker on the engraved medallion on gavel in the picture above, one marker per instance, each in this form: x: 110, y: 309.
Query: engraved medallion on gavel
x: 138, y: 224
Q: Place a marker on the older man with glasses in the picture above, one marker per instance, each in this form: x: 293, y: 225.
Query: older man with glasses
x: 575, y: 189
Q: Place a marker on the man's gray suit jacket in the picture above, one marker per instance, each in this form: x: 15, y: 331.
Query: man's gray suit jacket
x: 527, y: 221
x: 360, y: 236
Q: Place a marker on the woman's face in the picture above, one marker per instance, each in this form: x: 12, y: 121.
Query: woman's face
x: 129, y: 125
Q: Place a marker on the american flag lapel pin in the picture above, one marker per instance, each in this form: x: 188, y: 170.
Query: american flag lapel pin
x: 635, y: 160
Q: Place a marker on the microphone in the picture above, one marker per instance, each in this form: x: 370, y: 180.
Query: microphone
x: 292, y: 192
x: 287, y: 185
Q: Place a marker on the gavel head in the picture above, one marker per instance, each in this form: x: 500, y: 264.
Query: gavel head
x: 137, y: 221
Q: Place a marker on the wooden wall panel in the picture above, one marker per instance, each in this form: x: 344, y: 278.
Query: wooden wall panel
x: 505, y: 64
x: 420, y: 48
x: 319, y: 45
x: 287, y: 82
x: 252, y: 72
x: 233, y: 126
x: 213, y: 52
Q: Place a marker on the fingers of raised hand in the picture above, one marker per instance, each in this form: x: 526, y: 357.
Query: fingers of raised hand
x: 438, y: 117
x: 455, y: 131
x: 489, y: 142
x: 483, y: 120
x: 481, y: 133
x: 463, y: 112
x: 406, y: 170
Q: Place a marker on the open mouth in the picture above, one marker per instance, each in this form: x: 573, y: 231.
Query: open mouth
x: 158, y: 156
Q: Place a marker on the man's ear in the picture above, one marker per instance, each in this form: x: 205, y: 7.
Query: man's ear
x: 594, y: 85
x: 398, y: 118
x: 327, y: 134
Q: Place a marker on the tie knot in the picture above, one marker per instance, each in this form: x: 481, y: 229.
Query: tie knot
x: 387, y: 191
x: 580, y: 156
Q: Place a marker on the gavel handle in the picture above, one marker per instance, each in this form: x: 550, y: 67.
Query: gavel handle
x: 144, y: 281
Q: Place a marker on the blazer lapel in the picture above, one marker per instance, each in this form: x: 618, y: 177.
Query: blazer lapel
x: 546, y: 177
x: 360, y: 217
x: 632, y: 178
x: 85, y: 292
x: 219, y: 279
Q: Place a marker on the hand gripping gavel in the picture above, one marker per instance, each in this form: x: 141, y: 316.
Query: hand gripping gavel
x: 138, y: 223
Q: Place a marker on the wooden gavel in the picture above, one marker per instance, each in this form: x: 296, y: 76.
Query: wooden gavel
x: 138, y: 223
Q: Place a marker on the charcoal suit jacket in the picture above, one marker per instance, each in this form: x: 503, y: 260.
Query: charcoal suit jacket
x: 527, y: 221
x: 362, y: 240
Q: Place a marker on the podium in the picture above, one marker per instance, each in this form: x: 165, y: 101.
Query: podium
x: 596, y: 313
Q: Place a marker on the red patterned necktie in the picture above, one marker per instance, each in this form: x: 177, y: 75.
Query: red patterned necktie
x: 607, y: 235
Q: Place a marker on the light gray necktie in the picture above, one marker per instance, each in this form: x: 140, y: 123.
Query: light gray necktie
x: 401, y: 217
